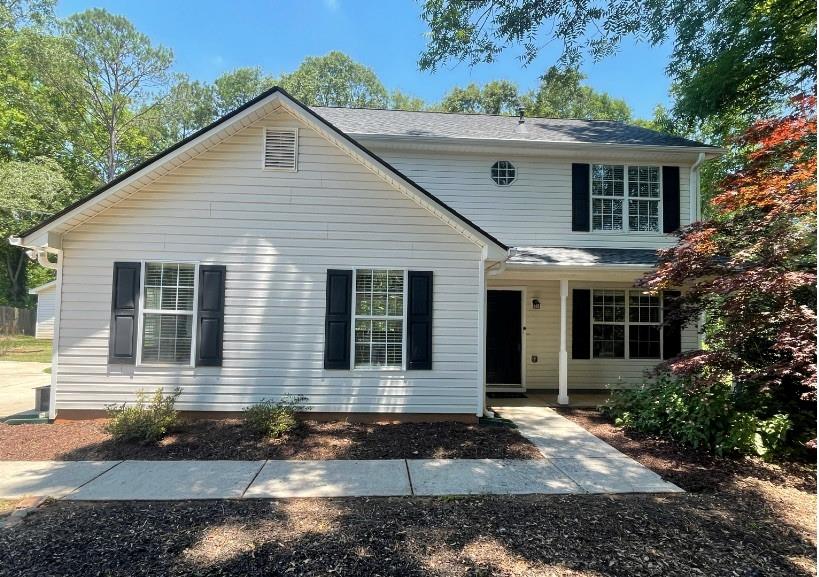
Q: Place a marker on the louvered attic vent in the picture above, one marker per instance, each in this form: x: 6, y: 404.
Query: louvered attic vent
x: 280, y: 148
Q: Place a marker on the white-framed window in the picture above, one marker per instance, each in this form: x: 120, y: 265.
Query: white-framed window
x: 504, y: 173
x: 625, y: 196
x: 626, y: 324
x: 379, y: 318
x: 167, y: 310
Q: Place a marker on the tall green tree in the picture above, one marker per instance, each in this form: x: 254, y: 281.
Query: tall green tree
x: 496, y: 97
x: 116, y: 72
x: 562, y: 94
x: 335, y: 79
x: 236, y: 87
x: 730, y: 56
x: 29, y: 192
x: 401, y: 101
x: 188, y: 106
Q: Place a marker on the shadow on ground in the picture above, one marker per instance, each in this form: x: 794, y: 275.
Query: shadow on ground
x: 230, y: 440
x: 557, y: 535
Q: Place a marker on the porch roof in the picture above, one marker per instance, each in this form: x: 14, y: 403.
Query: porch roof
x: 573, y: 257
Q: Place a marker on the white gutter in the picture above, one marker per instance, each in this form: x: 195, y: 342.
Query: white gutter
x: 528, y: 143
x: 695, y: 202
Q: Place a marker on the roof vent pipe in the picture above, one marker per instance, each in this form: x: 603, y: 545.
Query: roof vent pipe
x: 521, y: 127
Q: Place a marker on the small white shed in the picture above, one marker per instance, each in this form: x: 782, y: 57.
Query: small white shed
x: 46, y: 303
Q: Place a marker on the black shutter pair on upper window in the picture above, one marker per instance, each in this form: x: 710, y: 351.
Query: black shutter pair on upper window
x: 210, y: 314
x: 581, y: 325
x: 581, y: 198
x: 339, y: 317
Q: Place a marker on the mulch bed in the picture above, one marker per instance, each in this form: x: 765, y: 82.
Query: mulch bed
x: 743, y: 518
x: 580, y: 535
x: 694, y: 471
x: 228, y: 439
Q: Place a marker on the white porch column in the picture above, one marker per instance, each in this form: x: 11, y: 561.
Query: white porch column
x: 563, y: 362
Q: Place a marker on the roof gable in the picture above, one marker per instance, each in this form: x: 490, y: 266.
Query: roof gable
x: 204, y: 139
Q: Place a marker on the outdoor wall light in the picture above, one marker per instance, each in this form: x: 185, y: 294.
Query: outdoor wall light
x: 535, y: 304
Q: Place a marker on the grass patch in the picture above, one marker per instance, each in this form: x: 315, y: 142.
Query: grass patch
x: 25, y: 348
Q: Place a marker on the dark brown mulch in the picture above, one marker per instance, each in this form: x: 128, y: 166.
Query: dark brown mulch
x: 228, y: 439
x: 692, y: 470
x: 579, y: 536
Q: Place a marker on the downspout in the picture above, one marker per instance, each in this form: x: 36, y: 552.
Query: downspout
x: 42, y: 258
x: 696, y: 214
x: 481, y: 407
x: 695, y: 208
x: 40, y: 254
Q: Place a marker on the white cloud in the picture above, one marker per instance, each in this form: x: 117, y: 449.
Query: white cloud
x: 331, y: 5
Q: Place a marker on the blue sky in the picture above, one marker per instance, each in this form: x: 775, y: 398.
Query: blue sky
x: 210, y: 37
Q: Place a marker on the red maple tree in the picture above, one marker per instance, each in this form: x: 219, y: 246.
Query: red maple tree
x: 751, y: 267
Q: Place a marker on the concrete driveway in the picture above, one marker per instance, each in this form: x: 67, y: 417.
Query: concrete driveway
x: 17, y: 382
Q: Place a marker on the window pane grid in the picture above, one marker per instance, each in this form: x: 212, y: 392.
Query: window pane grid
x: 167, y: 321
x: 379, y: 318
x: 607, y: 188
x: 621, y: 318
x: 504, y: 173
x: 644, y: 198
x: 169, y: 287
x: 625, y: 194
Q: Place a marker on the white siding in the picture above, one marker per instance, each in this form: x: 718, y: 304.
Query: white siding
x: 543, y: 340
x: 46, y: 300
x: 535, y: 210
x: 278, y: 233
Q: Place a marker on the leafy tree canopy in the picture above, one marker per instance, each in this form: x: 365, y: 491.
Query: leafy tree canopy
x: 561, y: 94
x: 29, y: 192
x: 740, y: 55
x: 751, y: 267
x: 233, y: 89
x: 335, y: 79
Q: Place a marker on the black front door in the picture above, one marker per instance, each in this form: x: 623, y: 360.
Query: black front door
x: 503, y: 337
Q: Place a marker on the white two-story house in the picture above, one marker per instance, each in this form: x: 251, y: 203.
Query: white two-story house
x: 374, y: 261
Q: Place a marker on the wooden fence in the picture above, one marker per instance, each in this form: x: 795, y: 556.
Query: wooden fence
x: 14, y: 321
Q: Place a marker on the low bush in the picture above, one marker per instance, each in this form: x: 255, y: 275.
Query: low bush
x: 710, y: 418
x: 273, y: 419
x: 143, y: 421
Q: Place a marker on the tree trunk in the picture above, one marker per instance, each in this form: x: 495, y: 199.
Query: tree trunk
x: 111, y: 169
x: 16, y: 261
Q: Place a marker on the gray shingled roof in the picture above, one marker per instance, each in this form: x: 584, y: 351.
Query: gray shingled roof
x: 555, y: 255
x: 362, y: 121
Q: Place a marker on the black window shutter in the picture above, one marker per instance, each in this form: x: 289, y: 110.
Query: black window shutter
x: 580, y: 197
x: 337, y: 319
x: 419, y: 320
x: 671, y: 198
x: 672, y: 329
x: 581, y: 323
x: 210, y: 315
x: 124, y: 304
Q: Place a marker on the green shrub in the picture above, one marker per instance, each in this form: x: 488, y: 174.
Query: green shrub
x: 708, y: 418
x: 143, y: 422
x: 273, y: 419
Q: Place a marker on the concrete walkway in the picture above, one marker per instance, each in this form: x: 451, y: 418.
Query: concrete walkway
x: 575, y: 462
x: 17, y: 382
x: 592, y: 463
x: 178, y: 480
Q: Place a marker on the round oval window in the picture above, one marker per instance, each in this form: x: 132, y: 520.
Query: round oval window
x: 503, y: 173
